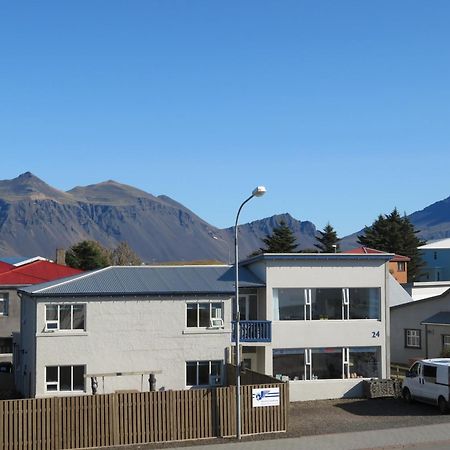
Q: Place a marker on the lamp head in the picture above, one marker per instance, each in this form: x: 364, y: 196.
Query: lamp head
x: 259, y: 191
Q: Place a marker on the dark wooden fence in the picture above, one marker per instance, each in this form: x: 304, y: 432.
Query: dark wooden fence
x: 133, y: 418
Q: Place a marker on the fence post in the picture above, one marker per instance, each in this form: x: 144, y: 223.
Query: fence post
x: 114, y: 417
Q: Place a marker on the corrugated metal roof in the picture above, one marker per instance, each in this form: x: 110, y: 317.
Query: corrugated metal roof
x: 141, y: 280
x: 441, y: 318
x: 36, y: 272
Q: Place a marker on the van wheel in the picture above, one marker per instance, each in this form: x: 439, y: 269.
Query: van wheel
x: 407, y: 395
x: 442, y: 405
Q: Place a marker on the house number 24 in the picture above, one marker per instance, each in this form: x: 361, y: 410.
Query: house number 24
x: 375, y: 334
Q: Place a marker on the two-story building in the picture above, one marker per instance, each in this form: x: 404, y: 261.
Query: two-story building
x: 319, y: 321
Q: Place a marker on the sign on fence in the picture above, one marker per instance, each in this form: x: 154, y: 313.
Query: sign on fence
x: 265, y: 397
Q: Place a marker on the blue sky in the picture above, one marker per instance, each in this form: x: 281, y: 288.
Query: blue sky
x: 340, y: 108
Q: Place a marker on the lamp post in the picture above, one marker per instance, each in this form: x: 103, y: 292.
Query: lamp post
x: 257, y: 192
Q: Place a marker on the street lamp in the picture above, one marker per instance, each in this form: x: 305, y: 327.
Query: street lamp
x: 259, y: 191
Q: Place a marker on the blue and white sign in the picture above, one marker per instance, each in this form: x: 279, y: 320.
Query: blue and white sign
x: 265, y: 397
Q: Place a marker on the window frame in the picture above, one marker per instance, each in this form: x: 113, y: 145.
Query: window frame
x: 57, y: 383
x: 310, y: 304
x: 4, y: 299
x: 56, y: 324
x: 197, y: 365
x: 308, y: 371
x: 408, y: 338
x: 210, y: 304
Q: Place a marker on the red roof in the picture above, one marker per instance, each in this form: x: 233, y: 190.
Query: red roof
x: 4, y: 267
x: 36, y: 272
x: 368, y: 250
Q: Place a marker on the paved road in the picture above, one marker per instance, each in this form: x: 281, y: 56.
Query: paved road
x: 436, y: 437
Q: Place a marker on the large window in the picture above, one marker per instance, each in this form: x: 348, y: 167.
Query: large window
x: 204, y: 314
x: 64, y: 378
x: 65, y: 317
x: 4, y: 303
x: 364, y: 303
x: 363, y: 362
x: 412, y: 338
x: 289, y: 364
x: 326, y: 363
x: 326, y: 303
x: 203, y: 373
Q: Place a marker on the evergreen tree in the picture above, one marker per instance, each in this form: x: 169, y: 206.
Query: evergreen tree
x: 393, y: 233
x: 328, y: 240
x: 282, y: 240
x: 88, y: 255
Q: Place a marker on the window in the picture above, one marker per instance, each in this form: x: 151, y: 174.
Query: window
x: 203, y: 373
x: 64, y: 378
x: 363, y: 362
x: 364, y: 303
x: 290, y: 363
x: 65, y: 317
x: 429, y: 373
x: 326, y: 303
x: 4, y: 303
x: 289, y: 304
x: 201, y: 314
x: 331, y: 363
x: 446, y: 344
x: 326, y: 363
x: 401, y: 266
x: 412, y: 338
x: 6, y: 345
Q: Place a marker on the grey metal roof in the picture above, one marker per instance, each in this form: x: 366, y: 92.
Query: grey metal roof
x: 141, y: 280
x: 319, y: 256
x: 441, y: 318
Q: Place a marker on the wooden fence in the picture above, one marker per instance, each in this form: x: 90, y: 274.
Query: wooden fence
x: 134, y: 418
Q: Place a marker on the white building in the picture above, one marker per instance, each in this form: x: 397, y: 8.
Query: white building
x: 319, y: 321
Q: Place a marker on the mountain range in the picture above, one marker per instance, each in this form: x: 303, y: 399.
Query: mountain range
x: 36, y: 219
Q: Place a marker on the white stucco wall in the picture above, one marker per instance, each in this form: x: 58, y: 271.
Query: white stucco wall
x: 130, y: 335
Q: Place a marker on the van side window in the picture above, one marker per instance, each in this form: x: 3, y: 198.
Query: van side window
x: 415, y: 370
x: 429, y: 373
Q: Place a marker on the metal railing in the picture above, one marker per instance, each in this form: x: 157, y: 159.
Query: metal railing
x: 253, y: 331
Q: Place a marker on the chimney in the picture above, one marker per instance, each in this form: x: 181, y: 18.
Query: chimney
x: 61, y: 256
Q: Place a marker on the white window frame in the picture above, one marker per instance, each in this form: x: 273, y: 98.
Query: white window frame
x: 57, y: 382
x: 54, y: 325
x: 413, y: 335
x: 211, y: 317
x: 345, y: 304
x: 197, y: 363
x: 4, y: 299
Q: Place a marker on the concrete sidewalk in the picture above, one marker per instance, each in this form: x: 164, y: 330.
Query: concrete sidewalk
x: 376, y: 439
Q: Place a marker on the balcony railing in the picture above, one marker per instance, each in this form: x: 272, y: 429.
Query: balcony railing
x: 253, y: 331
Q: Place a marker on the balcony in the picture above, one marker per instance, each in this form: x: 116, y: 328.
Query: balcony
x: 253, y: 331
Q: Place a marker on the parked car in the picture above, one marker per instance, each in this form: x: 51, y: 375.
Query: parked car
x: 428, y: 381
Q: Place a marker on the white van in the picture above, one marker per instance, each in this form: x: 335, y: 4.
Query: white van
x: 428, y: 381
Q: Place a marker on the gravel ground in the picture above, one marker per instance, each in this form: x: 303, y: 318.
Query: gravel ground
x: 340, y: 416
